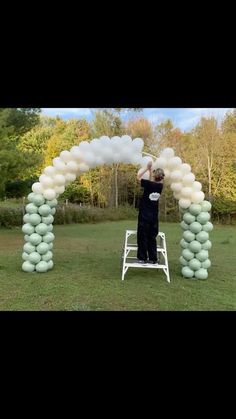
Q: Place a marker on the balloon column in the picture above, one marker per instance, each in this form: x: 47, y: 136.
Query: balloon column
x: 195, y: 212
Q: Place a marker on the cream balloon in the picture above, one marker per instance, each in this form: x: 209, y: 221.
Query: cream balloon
x: 65, y: 156
x: 37, y: 187
x: 50, y: 171
x: 184, y: 203
x: 174, y: 163
x: 188, y: 179
x: 59, y: 165
x: 186, y: 192
x: 50, y: 194
x: 46, y: 181
x: 168, y: 153
x: 72, y: 167
x: 176, y: 176
x: 160, y: 163
x: 59, y: 180
x: 137, y: 143
x: 197, y: 186
x: 185, y: 168
x: 197, y: 197
x: 76, y: 153
x: 176, y: 186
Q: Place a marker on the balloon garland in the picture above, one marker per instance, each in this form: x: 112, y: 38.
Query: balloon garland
x: 42, y: 201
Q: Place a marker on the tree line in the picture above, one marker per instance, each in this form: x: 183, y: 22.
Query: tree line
x: 29, y: 142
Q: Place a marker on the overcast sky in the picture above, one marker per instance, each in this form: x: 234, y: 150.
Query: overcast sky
x: 184, y: 118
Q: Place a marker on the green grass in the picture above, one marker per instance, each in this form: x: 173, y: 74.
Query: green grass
x: 87, y: 273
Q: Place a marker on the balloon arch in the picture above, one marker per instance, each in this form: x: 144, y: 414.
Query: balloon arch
x: 38, y: 220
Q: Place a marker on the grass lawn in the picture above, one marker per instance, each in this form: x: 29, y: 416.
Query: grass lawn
x: 87, y: 276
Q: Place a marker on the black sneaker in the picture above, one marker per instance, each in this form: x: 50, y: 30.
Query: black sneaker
x: 154, y: 262
x: 142, y: 262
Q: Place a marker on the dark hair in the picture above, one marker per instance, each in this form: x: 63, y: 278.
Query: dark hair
x: 159, y: 174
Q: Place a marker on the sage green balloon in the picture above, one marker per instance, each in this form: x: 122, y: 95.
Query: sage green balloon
x: 44, y: 210
x: 48, y: 220
x: 201, y: 274
x: 195, y: 264
x: 34, y: 257
x: 195, y: 246
x: 207, y: 227
x: 188, y: 218
x: 206, y: 264
x: 184, y: 244
x: 53, y: 211
x: 202, y: 237
x: 28, y: 229
x: 26, y: 218
x: 202, y: 255
x: 187, y: 254
x: 41, y: 229
x: 34, y: 219
x: 50, y: 264
x: 195, y: 209
x: 42, y: 266
x: 28, y: 266
x: 38, y: 199
x: 183, y: 261
x: 31, y: 209
x: 48, y: 238
x: 187, y: 272
x: 26, y: 237
x: 184, y: 226
x: 35, y: 239
x: 195, y: 227
x: 203, y: 217
x: 206, y: 206
x: 53, y: 203
x: 25, y: 256
x: 207, y: 245
x: 50, y: 246
x: 47, y: 256
x: 31, y: 196
x: 188, y: 236
x: 28, y: 247
x: 42, y: 248
x: 50, y: 228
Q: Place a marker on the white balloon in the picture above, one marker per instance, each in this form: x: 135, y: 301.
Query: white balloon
x: 59, y: 180
x: 184, y: 203
x: 71, y: 166
x: 188, y: 179
x: 197, y: 186
x: 83, y: 167
x: 46, y: 181
x: 167, y: 175
x: 65, y: 156
x: 168, y: 153
x: 59, y: 189
x: 50, y: 171
x: 198, y: 197
x: 95, y: 145
x: 126, y: 139
x: 145, y: 175
x: 89, y: 158
x: 176, y: 186
x: 59, y: 165
x: 176, y: 176
x: 185, y: 168
x: 160, y: 163
x: 70, y: 177
x: 105, y: 140
x: 84, y: 146
x: 138, y: 143
x: 37, y: 187
x: 174, y: 163
x: 99, y: 161
x: 76, y: 153
x: 135, y: 159
x: 115, y: 143
x: 186, y: 192
x: 49, y: 194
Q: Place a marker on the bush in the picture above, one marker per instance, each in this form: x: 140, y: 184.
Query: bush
x: 69, y: 214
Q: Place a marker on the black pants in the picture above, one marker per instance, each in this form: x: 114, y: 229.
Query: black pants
x: 146, y: 238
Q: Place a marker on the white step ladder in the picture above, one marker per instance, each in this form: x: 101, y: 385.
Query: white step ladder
x: 132, y: 261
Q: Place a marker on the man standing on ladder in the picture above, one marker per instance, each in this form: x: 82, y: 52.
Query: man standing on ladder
x: 148, y: 227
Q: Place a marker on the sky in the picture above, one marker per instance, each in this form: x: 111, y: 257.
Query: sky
x: 183, y: 118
